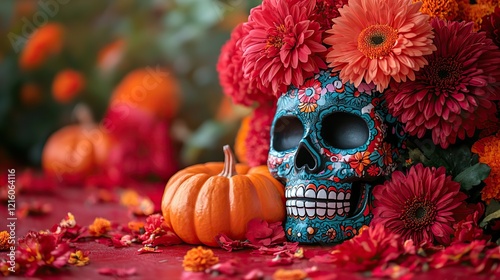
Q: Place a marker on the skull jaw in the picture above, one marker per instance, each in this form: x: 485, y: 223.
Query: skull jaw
x: 309, y: 222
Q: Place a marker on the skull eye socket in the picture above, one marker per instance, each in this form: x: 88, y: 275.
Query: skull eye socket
x: 287, y: 133
x: 344, y: 130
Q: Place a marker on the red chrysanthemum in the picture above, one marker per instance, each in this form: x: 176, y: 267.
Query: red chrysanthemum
x: 468, y: 229
x: 373, y: 247
x: 375, y: 40
x: 259, y: 134
x: 419, y: 205
x: 325, y: 11
x: 283, y: 46
x: 491, y: 25
x: 451, y: 97
x: 230, y: 67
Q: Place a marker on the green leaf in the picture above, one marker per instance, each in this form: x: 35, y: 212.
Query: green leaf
x: 455, y: 158
x: 492, y: 212
x: 492, y: 207
x: 490, y: 217
x: 472, y: 176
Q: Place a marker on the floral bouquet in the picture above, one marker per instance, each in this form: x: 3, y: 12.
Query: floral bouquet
x: 437, y: 65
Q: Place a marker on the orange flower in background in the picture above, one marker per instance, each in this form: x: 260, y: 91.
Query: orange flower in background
x: 24, y: 8
x: 488, y: 149
x: 476, y: 12
x: 138, y: 204
x: 110, y: 55
x: 154, y: 90
x: 4, y: 240
x: 100, y: 227
x: 30, y: 94
x: 443, y: 9
x: 289, y: 274
x: 240, y: 147
x: 199, y: 259
x: 44, y: 42
x: 228, y: 111
x: 67, y: 85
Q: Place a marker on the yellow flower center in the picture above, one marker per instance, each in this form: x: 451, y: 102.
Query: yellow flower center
x: 275, y: 38
x: 377, y: 41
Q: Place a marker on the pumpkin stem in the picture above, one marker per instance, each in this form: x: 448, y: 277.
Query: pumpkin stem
x: 229, y: 163
x: 83, y: 114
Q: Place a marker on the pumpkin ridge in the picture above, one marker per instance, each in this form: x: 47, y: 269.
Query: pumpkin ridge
x: 272, y: 205
x: 211, y: 209
x: 183, y: 218
x: 244, y: 205
x: 169, y: 193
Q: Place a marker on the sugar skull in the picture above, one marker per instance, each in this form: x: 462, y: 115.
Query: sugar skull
x: 330, y: 144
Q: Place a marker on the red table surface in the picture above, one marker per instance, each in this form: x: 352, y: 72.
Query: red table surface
x: 164, y: 265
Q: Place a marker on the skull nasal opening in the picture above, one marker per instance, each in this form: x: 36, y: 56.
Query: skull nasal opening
x: 304, y: 158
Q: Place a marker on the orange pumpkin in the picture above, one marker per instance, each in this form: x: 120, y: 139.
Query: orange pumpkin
x: 204, y: 200
x: 75, y: 151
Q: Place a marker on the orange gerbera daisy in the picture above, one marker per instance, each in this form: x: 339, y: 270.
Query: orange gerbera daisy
x: 377, y: 40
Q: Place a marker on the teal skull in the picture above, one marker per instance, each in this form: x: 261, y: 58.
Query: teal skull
x: 330, y: 144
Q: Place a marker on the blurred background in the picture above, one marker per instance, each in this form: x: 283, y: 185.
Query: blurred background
x: 136, y: 77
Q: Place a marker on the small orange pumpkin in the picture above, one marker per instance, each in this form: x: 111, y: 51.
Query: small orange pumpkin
x: 204, y: 200
x: 75, y: 151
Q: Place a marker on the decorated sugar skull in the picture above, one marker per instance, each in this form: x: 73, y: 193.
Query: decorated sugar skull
x: 330, y: 144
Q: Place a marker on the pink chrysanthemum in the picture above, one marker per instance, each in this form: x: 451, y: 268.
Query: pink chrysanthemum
x: 451, y: 97
x: 420, y: 205
x: 230, y: 68
x: 283, y: 47
x: 377, y: 40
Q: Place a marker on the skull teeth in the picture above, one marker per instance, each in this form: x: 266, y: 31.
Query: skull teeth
x: 312, y: 209
x: 322, y: 194
x: 308, y: 203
